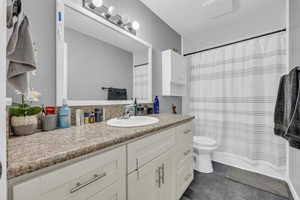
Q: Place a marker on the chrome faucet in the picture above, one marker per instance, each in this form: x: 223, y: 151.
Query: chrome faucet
x: 129, y: 111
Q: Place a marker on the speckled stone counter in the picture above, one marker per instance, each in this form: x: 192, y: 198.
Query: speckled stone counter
x: 41, y: 150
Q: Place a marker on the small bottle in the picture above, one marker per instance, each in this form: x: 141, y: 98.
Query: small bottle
x: 156, y: 105
x: 64, y: 116
x: 86, y: 118
x: 135, y: 107
x: 82, y: 117
x: 98, y: 115
x: 92, y: 118
x: 78, y: 117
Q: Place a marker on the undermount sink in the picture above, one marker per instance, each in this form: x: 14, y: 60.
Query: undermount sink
x: 134, y: 121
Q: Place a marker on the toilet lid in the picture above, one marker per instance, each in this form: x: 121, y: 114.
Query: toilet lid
x: 204, y: 141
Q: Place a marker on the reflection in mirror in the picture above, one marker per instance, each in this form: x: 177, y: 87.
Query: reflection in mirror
x: 94, y: 65
x: 102, y: 63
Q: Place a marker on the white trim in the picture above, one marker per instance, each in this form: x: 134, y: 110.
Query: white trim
x: 288, y: 64
x: 260, y: 167
x: 3, y: 152
x: 60, y: 54
x: 182, y: 45
x: 292, y: 189
x: 61, y: 68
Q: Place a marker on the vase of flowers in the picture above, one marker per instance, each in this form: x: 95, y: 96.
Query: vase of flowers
x: 24, y: 116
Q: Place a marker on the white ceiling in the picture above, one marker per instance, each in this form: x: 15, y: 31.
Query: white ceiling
x: 190, y: 17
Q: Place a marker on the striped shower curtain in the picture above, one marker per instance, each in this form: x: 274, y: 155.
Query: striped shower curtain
x: 232, y: 94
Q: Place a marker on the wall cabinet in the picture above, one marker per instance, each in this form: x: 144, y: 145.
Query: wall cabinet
x: 157, y: 167
x: 174, y: 74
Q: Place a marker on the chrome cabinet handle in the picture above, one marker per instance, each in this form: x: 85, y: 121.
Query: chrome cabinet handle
x: 79, y: 186
x: 163, y: 173
x: 187, y: 131
x: 159, y: 175
x: 188, y: 177
x: 187, y: 152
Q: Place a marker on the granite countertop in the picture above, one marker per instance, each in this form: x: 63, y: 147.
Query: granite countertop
x: 30, y: 153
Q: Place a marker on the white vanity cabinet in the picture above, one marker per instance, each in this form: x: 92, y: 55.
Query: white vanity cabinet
x: 155, y: 167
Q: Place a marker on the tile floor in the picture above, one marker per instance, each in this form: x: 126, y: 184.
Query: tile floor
x: 229, y: 183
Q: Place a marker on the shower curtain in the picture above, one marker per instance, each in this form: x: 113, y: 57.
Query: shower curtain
x: 232, y: 94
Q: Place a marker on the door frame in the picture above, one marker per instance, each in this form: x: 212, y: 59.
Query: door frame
x: 3, y: 137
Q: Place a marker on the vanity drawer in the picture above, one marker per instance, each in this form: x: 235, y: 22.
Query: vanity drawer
x: 184, y: 134
x: 77, y: 181
x: 185, y: 176
x: 145, y: 150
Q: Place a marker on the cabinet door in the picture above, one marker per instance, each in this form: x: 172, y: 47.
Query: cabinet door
x: 154, y: 181
x: 144, y: 184
x: 168, y: 179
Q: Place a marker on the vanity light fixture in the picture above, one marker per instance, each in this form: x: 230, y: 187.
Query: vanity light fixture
x: 97, y: 7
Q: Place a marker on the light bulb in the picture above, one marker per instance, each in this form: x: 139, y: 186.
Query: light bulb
x: 135, y: 25
x: 96, y: 4
x: 111, y: 10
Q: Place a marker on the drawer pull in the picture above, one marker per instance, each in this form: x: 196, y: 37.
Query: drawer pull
x: 187, y: 131
x: 187, y: 152
x: 163, y: 174
x: 79, y: 186
x: 159, y: 176
x: 188, y: 177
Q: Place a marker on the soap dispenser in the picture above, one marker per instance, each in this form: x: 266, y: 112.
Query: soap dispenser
x: 64, y: 116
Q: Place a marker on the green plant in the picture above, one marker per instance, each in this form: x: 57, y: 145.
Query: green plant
x: 24, y: 109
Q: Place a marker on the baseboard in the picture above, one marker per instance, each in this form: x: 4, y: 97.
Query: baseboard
x: 292, y: 189
x: 260, y: 167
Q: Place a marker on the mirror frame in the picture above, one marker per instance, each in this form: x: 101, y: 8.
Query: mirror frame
x: 61, y: 61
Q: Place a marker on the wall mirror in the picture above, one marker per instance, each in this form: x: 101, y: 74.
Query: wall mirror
x: 98, y: 63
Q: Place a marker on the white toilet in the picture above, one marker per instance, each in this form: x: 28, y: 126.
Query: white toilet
x: 203, y: 149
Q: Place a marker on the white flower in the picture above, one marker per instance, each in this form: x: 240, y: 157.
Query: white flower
x: 33, y: 96
x: 18, y: 92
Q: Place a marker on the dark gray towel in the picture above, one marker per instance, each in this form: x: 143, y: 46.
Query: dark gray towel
x: 9, y: 15
x: 287, y: 110
x: 20, y: 53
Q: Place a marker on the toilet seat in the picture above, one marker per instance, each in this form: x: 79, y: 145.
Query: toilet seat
x: 204, y: 141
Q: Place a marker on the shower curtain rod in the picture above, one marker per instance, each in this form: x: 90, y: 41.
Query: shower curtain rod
x: 224, y: 45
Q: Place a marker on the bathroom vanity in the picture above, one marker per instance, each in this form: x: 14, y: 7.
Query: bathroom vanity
x: 98, y: 161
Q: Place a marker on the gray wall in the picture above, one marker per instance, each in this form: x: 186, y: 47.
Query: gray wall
x: 294, y: 161
x: 153, y: 29
x: 93, y: 64
x: 42, y: 20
